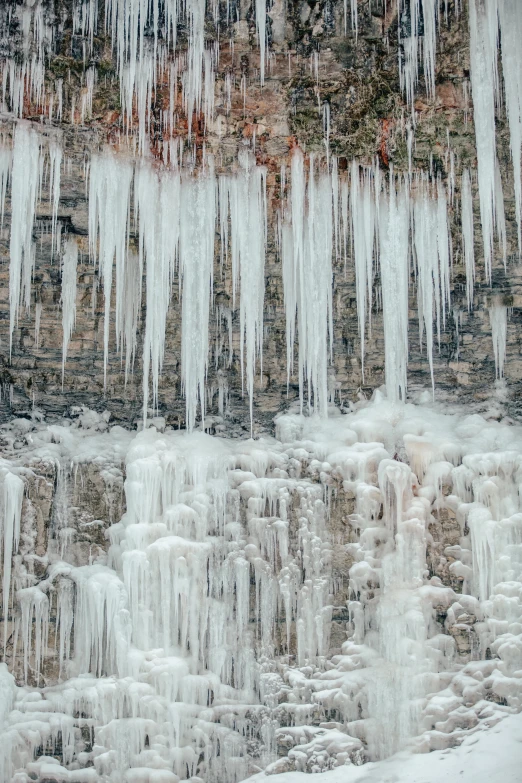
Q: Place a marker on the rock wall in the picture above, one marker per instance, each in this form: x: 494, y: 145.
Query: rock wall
x: 315, y: 71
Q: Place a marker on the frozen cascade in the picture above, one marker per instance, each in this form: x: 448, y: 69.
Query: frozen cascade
x: 346, y: 589
x: 208, y: 620
x: 395, y: 692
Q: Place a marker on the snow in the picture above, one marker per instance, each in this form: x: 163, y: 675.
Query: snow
x: 490, y: 755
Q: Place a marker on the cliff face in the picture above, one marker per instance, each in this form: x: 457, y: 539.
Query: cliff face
x: 325, y: 90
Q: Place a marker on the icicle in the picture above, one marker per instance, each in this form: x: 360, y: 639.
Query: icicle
x: 498, y: 321
x: 248, y: 246
x: 307, y: 279
x: 354, y: 14
x: 68, y: 301
x: 5, y: 173
x: 511, y: 34
x: 37, y: 322
x: 261, y: 35
x: 55, y: 154
x: 13, y: 493
x: 419, y: 19
x: 197, y: 230
x: 34, y: 602
x: 468, y: 243
x: 393, y: 238
x: 483, y: 59
x: 363, y: 233
x: 26, y: 178
x: 109, y: 203
x: 428, y: 273
x: 131, y: 310
x: 158, y: 207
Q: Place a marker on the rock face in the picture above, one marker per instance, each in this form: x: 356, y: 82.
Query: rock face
x: 323, y: 86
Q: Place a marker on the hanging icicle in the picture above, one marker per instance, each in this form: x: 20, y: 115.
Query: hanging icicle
x: 498, y: 321
x: 25, y: 188
x: 394, y: 264
x: 362, y: 199
x: 247, y: 196
x: 109, y: 204
x: 468, y: 240
x: 197, y: 221
x: 483, y: 27
x: 307, y: 276
x: 68, y: 301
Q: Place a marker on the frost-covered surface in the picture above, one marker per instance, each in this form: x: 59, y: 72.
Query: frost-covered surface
x: 488, y: 756
x: 324, y: 598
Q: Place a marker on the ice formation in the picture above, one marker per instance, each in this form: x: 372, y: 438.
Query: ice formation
x: 418, y: 21
x: 207, y: 623
x: 307, y: 273
x: 25, y: 185
x: 468, y: 230
x: 394, y: 261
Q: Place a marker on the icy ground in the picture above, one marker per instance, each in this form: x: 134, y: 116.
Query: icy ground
x: 316, y: 600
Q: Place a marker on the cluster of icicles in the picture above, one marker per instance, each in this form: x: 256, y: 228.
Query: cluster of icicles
x: 198, y: 647
x: 396, y: 227
x: 145, y: 46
